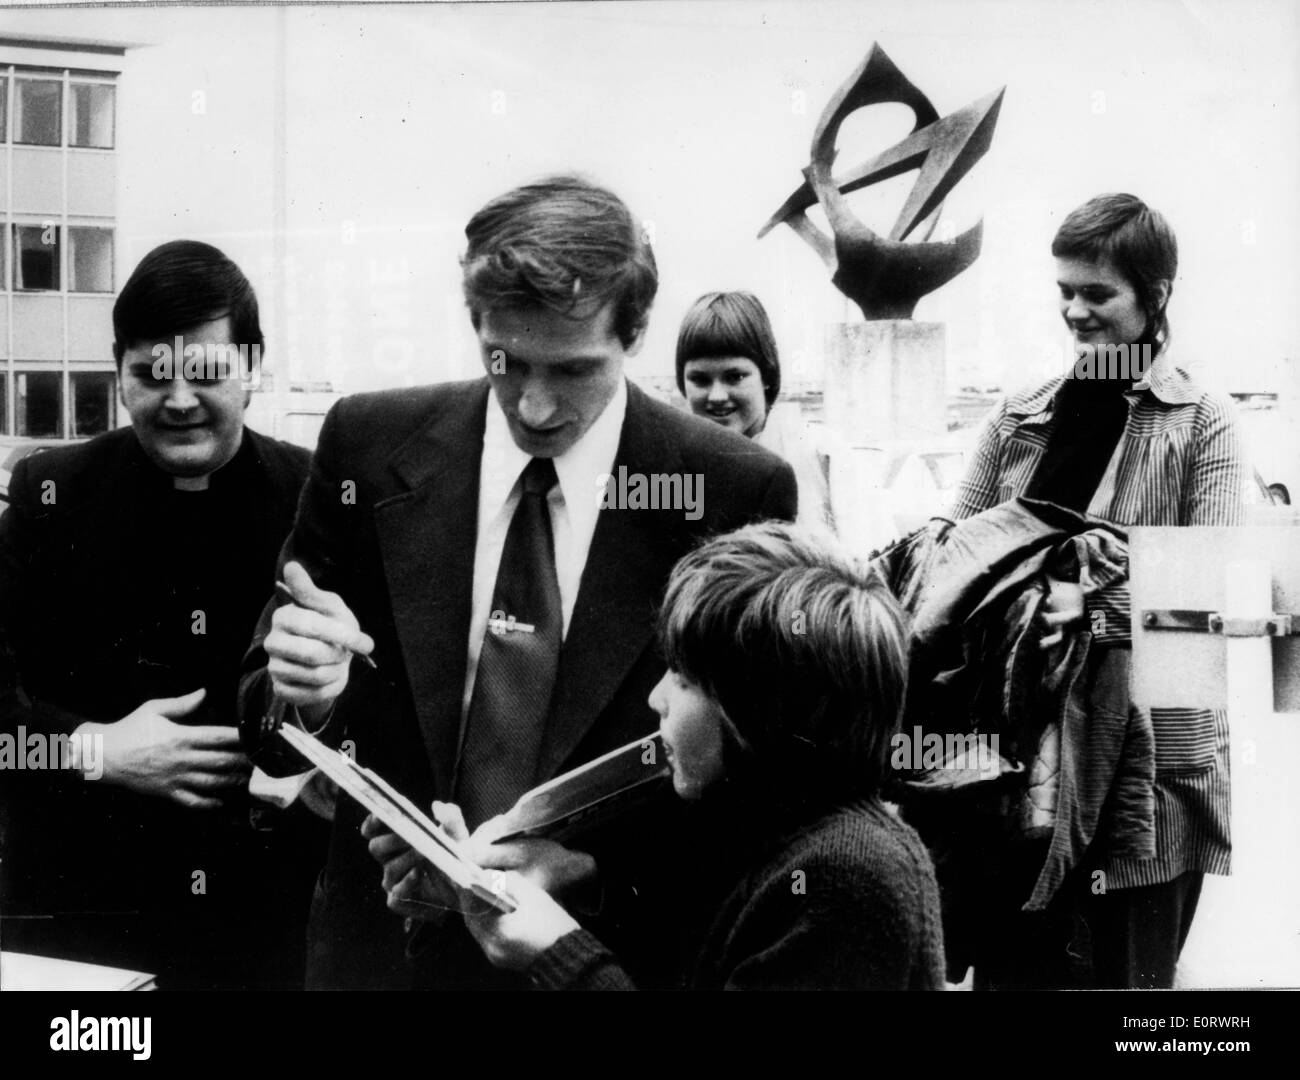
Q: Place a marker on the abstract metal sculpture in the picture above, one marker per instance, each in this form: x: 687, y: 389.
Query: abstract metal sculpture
x: 885, y: 277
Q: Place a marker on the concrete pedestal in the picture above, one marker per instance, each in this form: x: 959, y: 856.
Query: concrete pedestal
x: 884, y: 391
x: 885, y: 381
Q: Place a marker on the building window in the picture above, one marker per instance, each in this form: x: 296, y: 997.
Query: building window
x: 38, y: 404
x: 91, y: 123
x: 90, y: 259
x: 92, y: 402
x: 38, y: 112
x: 4, y: 256
x: 36, y: 257
x: 4, y: 108
x: 4, y: 404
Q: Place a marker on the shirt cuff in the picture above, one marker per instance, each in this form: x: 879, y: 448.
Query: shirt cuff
x: 313, y: 789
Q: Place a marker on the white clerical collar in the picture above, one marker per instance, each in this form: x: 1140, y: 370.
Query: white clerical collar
x: 581, y: 469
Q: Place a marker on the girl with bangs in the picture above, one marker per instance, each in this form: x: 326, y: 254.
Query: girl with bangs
x: 729, y: 372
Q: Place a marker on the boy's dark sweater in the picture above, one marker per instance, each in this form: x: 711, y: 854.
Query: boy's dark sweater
x: 846, y: 901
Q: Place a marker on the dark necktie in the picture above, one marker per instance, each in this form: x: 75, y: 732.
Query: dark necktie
x: 518, y: 661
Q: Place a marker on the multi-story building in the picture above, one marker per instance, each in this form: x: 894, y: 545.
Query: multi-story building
x: 58, y: 221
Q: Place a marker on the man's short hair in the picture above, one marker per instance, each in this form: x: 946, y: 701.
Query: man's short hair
x: 178, y: 286
x: 804, y: 649
x: 562, y: 243
x: 727, y: 324
x: 1136, y: 239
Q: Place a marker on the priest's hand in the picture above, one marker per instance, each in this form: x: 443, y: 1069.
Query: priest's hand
x: 147, y: 752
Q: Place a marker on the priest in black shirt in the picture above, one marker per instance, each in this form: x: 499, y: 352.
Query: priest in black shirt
x: 132, y: 571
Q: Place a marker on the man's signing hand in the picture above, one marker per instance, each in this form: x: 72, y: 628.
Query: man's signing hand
x: 311, y: 643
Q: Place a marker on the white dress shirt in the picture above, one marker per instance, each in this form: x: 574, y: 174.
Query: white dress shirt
x: 574, y: 504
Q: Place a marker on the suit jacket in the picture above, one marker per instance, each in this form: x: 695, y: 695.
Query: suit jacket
x: 100, y: 575
x: 388, y: 520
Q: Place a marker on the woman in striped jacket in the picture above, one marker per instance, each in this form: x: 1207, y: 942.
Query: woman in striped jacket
x: 1127, y: 436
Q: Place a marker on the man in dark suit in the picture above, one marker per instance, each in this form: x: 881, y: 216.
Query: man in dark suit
x: 498, y: 548
x: 133, y: 569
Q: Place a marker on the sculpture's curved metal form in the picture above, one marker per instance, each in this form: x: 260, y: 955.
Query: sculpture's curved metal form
x: 886, y: 276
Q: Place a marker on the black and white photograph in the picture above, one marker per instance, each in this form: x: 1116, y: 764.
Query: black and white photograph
x: 651, y: 494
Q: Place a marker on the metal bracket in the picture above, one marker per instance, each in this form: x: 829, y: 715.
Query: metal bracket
x: 1214, y: 622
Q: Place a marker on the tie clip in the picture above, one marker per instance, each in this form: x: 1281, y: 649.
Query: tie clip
x: 503, y: 624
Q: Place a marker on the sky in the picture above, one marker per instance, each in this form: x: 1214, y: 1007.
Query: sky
x: 337, y: 152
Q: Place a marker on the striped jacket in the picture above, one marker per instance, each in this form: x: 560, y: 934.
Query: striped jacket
x: 1180, y: 461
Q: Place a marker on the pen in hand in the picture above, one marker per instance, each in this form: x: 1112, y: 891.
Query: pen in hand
x: 288, y: 593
